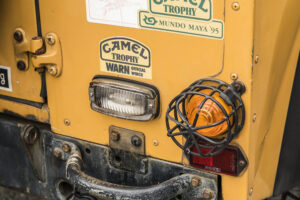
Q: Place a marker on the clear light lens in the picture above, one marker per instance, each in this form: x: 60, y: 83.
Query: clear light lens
x: 124, y: 99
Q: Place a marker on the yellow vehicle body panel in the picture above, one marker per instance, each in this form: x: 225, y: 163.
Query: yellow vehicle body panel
x: 261, y: 45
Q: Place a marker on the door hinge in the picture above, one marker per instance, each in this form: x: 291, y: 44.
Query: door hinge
x: 42, y: 52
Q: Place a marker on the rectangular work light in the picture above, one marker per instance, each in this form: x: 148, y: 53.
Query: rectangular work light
x: 124, y: 98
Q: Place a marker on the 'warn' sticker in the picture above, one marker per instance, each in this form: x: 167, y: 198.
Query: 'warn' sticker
x: 125, y: 56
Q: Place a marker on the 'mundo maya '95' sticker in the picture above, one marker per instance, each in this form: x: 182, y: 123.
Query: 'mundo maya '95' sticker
x: 191, y: 17
x: 5, y: 79
x: 125, y: 56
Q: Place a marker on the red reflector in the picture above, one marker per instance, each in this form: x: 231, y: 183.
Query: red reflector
x: 230, y: 161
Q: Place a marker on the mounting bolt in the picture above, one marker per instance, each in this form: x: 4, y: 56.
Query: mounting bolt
x: 234, y: 76
x: 115, y: 136
x: 57, y: 152
x: 155, y: 142
x: 207, y: 194
x: 67, y: 122
x: 66, y: 148
x: 136, y: 141
x: 196, y: 181
x: 21, y: 65
x: 239, y: 87
x: 18, y: 36
x: 50, y: 40
x: 52, y: 70
x: 30, y: 134
x: 235, y: 6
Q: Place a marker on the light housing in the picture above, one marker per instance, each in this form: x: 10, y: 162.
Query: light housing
x: 230, y: 161
x: 208, y: 114
x: 123, y: 98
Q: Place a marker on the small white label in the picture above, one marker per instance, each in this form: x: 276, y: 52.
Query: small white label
x: 115, y: 12
x: 5, y: 78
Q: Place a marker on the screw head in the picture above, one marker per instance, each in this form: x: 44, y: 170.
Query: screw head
x: 57, y: 152
x: 256, y: 60
x: 207, y: 194
x: 115, y: 136
x: 234, y: 76
x: 66, y: 148
x: 242, y: 163
x: 30, y: 134
x: 67, y: 122
x: 21, y: 65
x: 235, y: 6
x: 155, y: 142
x: 50, y: 40
x: 196, y: 182
x: 52, y: 70
x: 254, y: 117
x: 136, y: 141
x: 18, y: 36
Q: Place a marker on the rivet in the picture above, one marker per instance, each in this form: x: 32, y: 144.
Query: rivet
x: 155, y: 142
x: 67, y: 122
x: 50, y: 40
x: 18, y: 36
x: 21, y: 65
x: 251, y: 191
x: 254, y: 117
x: 115, y: 136
x: 57, y: 152
x: 66, y: 148
x: 256, y: 60
x: 52, y: 70
x: 234, y: 76
x: 196, y: 181
x: 207, y: 194
x: 235, y: 6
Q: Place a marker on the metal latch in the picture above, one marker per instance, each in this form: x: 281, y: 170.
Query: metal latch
x: 43, y: 53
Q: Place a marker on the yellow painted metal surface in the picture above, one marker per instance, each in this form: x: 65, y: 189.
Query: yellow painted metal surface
x: 261, y: 44
x: 25, y: 111
x: 18, y: 14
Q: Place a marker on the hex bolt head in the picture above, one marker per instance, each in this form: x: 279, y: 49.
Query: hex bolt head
x: 52, y: 70
x: 57, y: 152
x: 136, y: 141
x: 30, y: 134
x: 21, y: 65
x: 66, y: 148
x: 208, y: 194
x: 50, y: 40
x: 18, y: 36
x: 115, y: 136
x: 195, y: 181
x: 235, y: 6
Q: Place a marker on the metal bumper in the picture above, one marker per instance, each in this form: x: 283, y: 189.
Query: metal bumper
x: 36, y: 161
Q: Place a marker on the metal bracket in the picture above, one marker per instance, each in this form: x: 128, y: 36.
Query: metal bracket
x: 42, y: 53
x: 126, y: 140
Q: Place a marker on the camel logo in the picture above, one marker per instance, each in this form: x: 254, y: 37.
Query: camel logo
x: 125, y: 56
